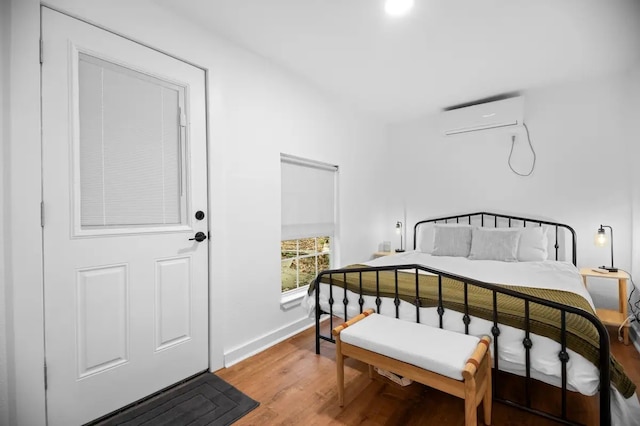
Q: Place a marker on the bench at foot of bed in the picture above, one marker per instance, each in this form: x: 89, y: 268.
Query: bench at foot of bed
x: 454, y: 363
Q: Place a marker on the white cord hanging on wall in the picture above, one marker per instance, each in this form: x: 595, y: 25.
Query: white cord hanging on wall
x: 533, y: 152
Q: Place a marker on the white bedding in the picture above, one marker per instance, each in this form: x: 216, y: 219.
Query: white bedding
x: 582, y: 375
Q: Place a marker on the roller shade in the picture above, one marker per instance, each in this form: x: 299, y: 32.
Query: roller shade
x: 308, y: 198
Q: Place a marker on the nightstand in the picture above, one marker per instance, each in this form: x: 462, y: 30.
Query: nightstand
x: 383, y: 253
x: 611, y: 316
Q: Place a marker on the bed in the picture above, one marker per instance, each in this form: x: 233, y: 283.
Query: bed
x: 530, y: 298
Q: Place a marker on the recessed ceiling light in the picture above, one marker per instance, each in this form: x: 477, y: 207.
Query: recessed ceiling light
x: 398, y: 7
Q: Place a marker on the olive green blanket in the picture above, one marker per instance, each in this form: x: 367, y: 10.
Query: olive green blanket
x: 582, y: 336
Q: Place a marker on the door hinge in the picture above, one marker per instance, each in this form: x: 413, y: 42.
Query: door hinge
x: 46, y: 381
x: 183, y: 118
x: 41, y: 51
x: 42, y: 214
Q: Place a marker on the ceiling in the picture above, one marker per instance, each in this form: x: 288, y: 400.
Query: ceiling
x: 444, y: 53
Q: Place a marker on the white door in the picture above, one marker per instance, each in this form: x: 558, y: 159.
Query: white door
x: 124, y: 182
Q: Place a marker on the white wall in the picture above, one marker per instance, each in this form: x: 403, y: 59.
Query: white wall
x: 632, y: 117
x: 582, y: 175
x: 5, y: 23
x: 256, y: 112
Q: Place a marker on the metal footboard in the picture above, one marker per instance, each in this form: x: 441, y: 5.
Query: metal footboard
x: 339, y: 293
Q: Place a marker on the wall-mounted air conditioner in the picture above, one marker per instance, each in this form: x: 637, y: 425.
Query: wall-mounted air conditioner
x: 485, y: 116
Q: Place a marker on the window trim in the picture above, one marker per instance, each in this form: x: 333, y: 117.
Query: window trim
x: 293, y: 298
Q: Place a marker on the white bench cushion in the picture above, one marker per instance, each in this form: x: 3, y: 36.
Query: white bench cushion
x: 440, y: 351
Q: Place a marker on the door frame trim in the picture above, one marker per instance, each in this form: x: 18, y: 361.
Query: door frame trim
x: 47, y: 5
x: 215, y: 354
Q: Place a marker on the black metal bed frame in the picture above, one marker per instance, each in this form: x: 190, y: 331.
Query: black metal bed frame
x: 495, y: 220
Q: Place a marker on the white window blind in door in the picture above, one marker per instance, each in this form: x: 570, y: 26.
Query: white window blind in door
x: 308, y: 198
x: 130, y: 146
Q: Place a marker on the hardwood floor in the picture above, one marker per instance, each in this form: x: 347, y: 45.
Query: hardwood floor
x: 297, y: 387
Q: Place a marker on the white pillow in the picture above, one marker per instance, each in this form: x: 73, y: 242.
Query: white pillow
x: 495, y: 244
x: 451, y: 240
x: 533, y: 244
x: 424, y: 238
x: 425, y: 235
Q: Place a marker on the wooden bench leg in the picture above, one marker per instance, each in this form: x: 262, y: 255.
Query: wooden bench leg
x: 487, y: 400
x: 370, y: 371
x: 340, y: 357
x: 470, y: 407
x: 340, y: 371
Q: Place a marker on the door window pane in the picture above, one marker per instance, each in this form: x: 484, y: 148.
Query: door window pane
x: 129, y: 148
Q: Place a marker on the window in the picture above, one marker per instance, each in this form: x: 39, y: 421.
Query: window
x: 308, y: 220
x: 303, y: 259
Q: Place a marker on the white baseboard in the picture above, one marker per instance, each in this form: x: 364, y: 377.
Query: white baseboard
x: 253, y: 347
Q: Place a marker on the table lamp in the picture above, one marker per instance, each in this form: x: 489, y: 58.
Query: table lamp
x: 399, y: 231
x: 601, y: 241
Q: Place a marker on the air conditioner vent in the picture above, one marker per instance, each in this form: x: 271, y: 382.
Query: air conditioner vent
x: 485, y: 116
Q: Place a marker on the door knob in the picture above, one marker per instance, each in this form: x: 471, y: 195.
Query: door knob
x: 199, y: 237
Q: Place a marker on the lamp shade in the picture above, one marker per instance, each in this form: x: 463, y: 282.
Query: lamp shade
x: 600, y: 239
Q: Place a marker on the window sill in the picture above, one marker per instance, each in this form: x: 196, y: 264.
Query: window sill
x: 293, y: 298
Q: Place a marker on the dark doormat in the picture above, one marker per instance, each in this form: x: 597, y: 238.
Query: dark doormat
x: 204, y: 400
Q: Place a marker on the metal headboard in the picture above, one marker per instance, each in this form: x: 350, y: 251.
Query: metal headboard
x: 497, y: 220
